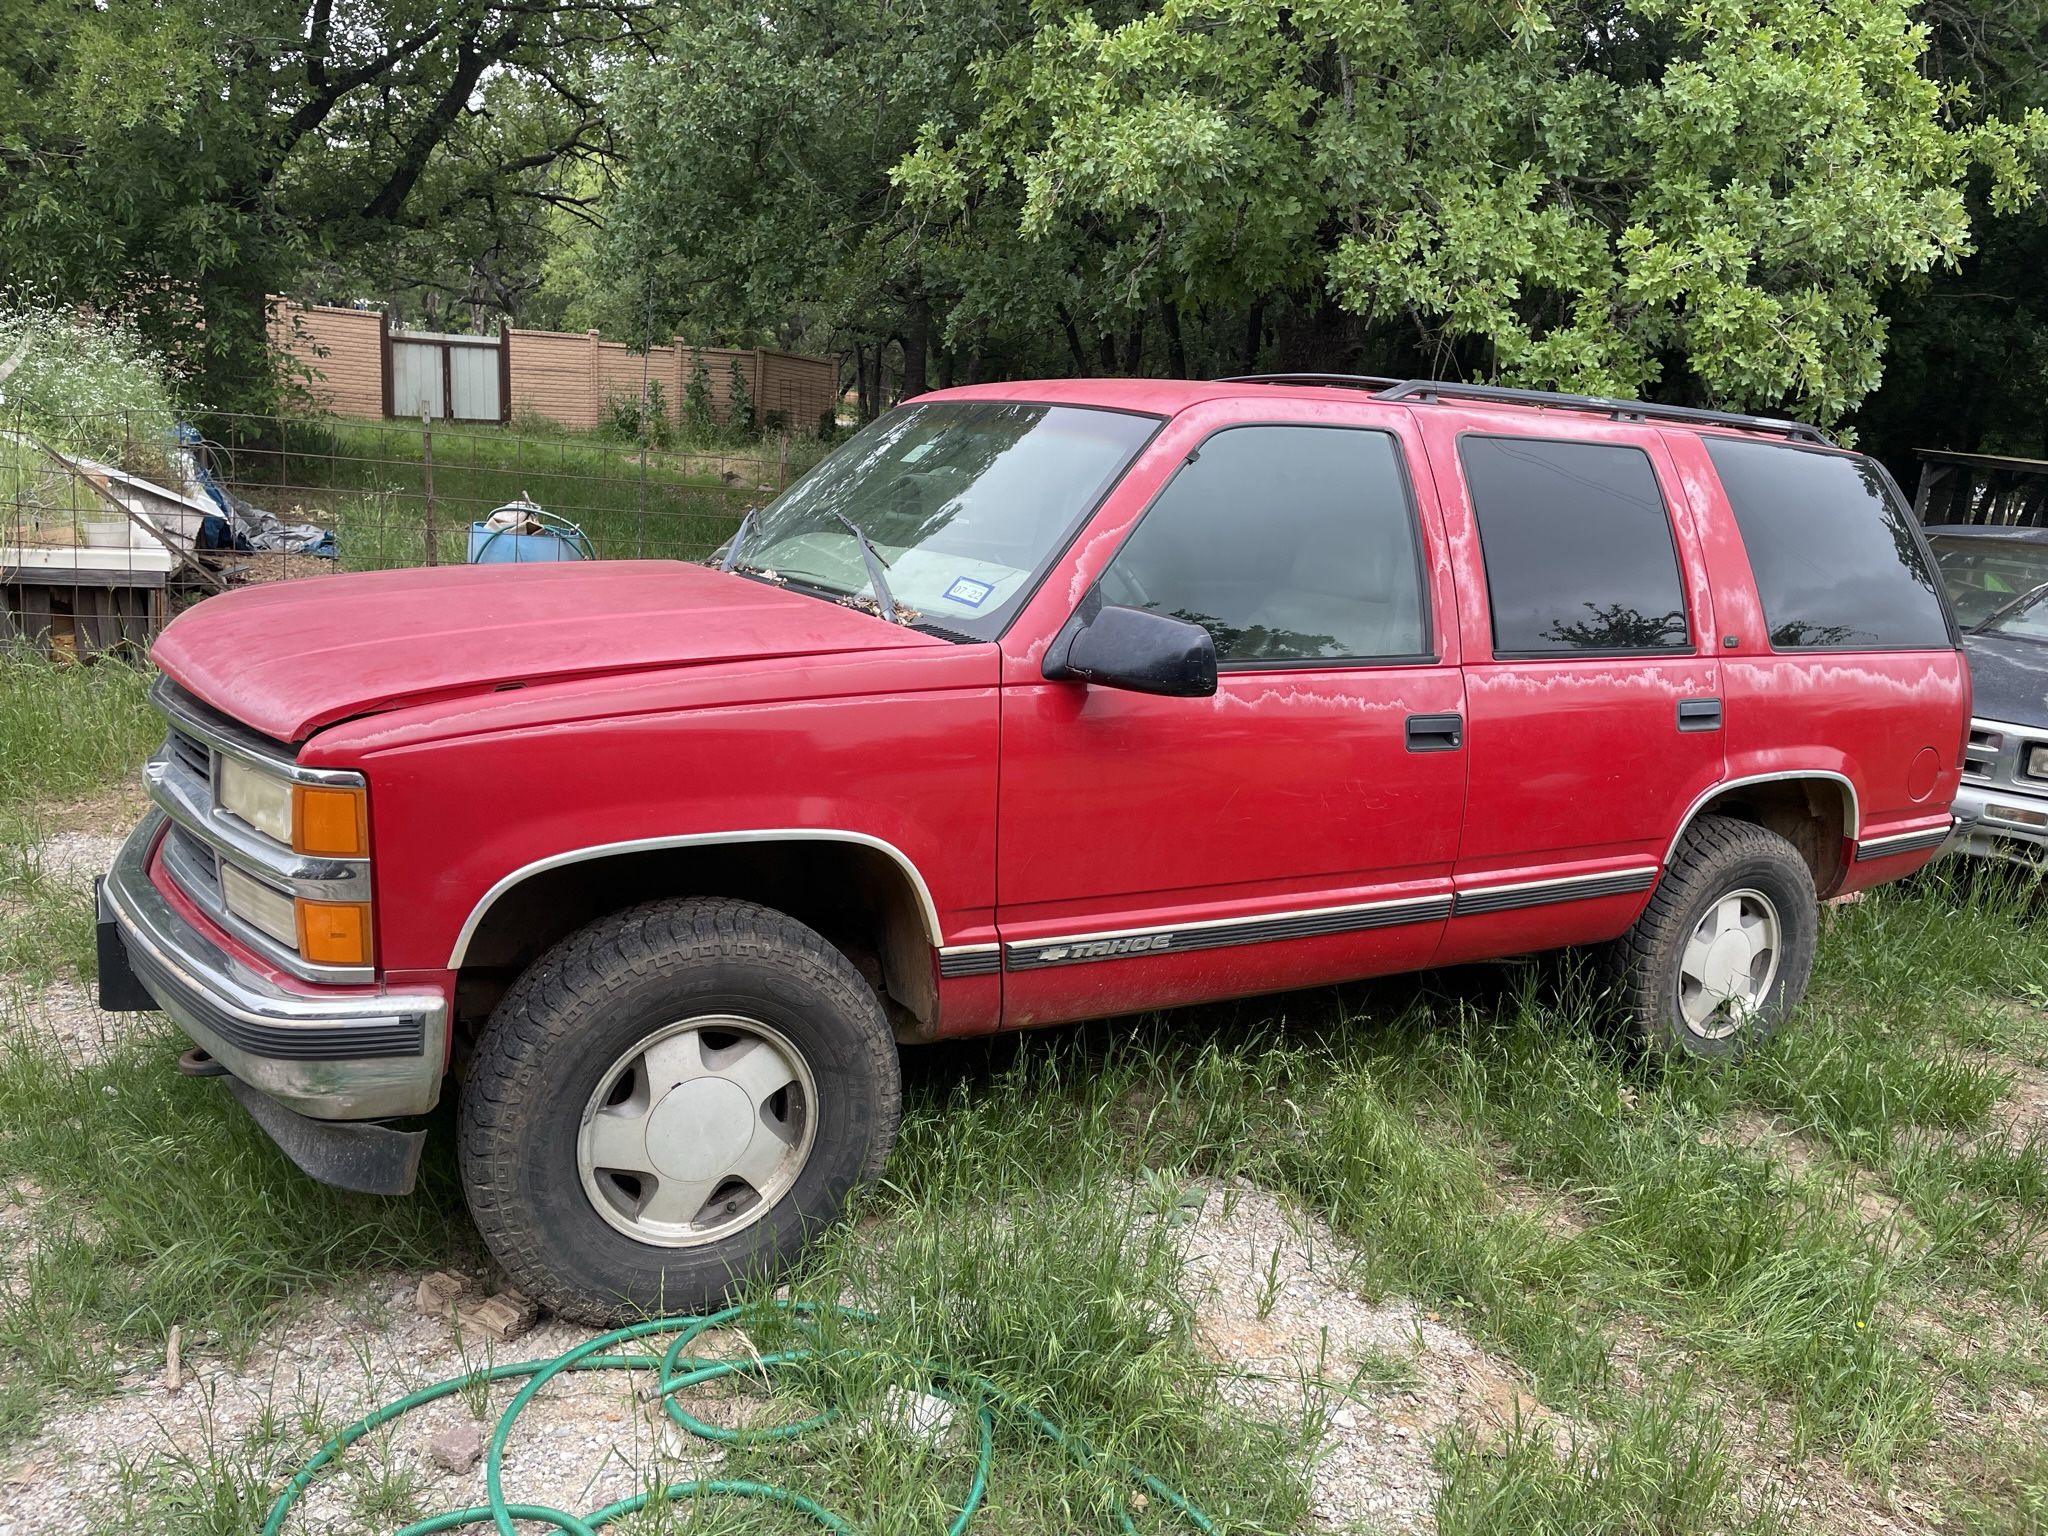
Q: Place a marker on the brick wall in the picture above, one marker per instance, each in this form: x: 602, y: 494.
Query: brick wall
x: 570, y: 379
x: 565, y: 376
x: 341, y: 349
x: 554, y: 374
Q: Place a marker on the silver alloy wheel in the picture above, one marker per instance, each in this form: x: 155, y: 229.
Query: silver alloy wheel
x: 1729, y: 963
x: 697, y: 1131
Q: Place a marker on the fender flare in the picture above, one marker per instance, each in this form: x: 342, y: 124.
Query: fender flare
x: 1852, y: 827
x: 524, y: 872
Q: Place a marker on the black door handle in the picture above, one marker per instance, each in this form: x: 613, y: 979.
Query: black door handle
x: 1699, y: 714
x: 1436, y: 733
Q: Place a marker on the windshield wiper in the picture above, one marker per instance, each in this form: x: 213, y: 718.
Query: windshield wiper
x: 2010, y: 609
x: 874, y: 563
x: 739, y: 538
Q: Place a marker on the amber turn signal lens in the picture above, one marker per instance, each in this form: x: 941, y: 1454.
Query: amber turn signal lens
x: 334, y: 932
x: 331, y: 823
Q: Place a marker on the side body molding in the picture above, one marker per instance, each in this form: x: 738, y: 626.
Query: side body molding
x: 697, y: 840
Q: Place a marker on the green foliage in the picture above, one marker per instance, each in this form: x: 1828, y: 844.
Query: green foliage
x: 699, y: 420
x: 634, y: 414
x: 180, y: 161
x: 1705, y: 198
x: 739, y: 405
x: 88, y: 385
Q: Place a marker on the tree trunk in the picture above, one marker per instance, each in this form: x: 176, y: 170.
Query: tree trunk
x: 917, y: 336
x: 1133, y: 348
x: 875, y: 403
x: 1254, y: 334
x: 1074, y: 347
x: 1176, y: 348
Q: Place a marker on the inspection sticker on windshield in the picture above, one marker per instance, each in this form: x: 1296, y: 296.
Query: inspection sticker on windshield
x: 969, y: 591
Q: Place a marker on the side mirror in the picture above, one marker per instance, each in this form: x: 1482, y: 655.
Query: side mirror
x: 1131, y: 648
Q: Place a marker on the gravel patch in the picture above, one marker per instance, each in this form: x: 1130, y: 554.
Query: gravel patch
x: 64, y: 1015
x: 77, y: 858
x: 585, y: 1440
x: 1389, y: 1379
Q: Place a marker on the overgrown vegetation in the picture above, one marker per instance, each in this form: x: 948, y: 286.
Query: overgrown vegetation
x: 368, y: 481
x: 1829, y: 1255
x: 86, y: 384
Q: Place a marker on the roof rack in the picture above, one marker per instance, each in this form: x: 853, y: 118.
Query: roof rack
x: 1370, y: 381
x: 1620, y: 410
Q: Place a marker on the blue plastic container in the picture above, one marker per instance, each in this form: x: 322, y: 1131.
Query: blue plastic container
x: 558, y: 539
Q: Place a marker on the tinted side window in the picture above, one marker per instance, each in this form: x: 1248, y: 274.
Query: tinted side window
x: 1286, y: 544
x: 1578, y: 547
x: 1836, y: 560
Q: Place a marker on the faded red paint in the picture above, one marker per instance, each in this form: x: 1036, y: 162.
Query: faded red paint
x: 509, y: 715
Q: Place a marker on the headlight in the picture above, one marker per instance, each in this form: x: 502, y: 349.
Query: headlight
x: 262, y: 907
x: 263, y: 801
x: 331, y: 821
x: 2037, y: 762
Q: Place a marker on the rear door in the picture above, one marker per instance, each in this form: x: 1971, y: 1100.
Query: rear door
x: 1298, y: 827
x: 1841, y: 655
x: 1592, y: 686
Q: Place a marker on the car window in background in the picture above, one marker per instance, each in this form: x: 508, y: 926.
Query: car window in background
x: 1287, y: 544
x: 1989, y: 581
x: 1578, y: 549
x: 1835, y: 554
x: 965, y: 502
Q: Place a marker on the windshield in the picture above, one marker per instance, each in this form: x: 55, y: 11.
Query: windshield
x: 964, y: 504
x: 1998, y: 586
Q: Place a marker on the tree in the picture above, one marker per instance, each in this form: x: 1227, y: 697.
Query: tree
x: 1967, y: 368
x: 181, y: 159
x: 756, y: 201
x: 1700, y: 200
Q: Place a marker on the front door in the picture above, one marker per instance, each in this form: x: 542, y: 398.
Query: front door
x: 1301, y: 825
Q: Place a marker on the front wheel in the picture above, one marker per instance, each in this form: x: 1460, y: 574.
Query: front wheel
x: 1722, y: 953
x: 669, y: 1101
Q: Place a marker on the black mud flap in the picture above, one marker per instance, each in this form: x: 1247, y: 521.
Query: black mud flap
x: 363, y: 1156
x: 120, y: 989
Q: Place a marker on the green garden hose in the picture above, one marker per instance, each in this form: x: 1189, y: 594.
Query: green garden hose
x: 678, y: 1372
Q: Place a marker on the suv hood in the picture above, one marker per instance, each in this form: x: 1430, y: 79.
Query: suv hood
x: 289, y: 658
x: 2008, y: 679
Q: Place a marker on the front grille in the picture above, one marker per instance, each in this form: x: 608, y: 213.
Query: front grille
x: 1980, y: 754
x: 196, y: 869
x: 193, y: 756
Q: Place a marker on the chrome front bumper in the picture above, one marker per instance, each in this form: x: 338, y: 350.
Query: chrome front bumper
x: 329, y: 1053
x: 1986, y: 828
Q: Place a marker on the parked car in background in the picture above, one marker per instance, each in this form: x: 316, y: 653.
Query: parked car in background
x: 1035, y: 702
x: 1997, y: 579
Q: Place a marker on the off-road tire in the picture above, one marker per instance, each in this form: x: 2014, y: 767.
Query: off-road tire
x: 588, y: 1000
x: 1717, y: 855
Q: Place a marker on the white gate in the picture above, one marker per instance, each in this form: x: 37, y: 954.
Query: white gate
x: 459, y: 378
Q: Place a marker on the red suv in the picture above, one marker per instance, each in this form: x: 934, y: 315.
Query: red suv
x: 1034, y: 702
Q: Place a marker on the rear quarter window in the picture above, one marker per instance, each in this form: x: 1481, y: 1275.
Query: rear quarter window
x: 1838, y: 561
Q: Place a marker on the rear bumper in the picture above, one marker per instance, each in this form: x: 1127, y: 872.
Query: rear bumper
x: 325, y: 1053
x: 1986, y: 827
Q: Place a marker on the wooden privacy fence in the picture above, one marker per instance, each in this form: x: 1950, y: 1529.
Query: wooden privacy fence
x: 358, y: 365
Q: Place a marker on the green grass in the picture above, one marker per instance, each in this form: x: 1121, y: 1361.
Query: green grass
x: 68, y: 731
x: 65, y: 732
x: 368, y: 481
x: 158, y: 1202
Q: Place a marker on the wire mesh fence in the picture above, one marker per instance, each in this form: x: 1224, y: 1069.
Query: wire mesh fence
x: 109, y: 524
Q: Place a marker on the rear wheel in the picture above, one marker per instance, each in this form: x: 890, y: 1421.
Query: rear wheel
x: 671, y: 1100
x: 1722, y: 953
